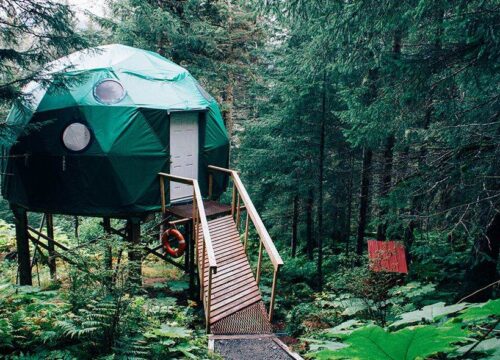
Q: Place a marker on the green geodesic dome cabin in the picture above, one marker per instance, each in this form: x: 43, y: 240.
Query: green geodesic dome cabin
x: 93, y: 142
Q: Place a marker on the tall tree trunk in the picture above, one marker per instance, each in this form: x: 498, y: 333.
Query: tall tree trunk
x: 309, y: 225
x: 295, y: 220
x: 409, y: 238
x: 363, y: 199
x: 349, y: 206
x: 228, y: 104
x: 386, y: 185
x: 229, y: 91
x: 388, y: 155
x: 483, y: 269
x: 108, y: 253
x: 320, y: 184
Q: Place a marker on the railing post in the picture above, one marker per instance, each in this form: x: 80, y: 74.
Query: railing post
x: 162, y: 192
x: 194, y: 229
x: 210, y: 185
x: 238, y: 213
x: 245, y: 241
x: 203, y: 249
x: 233, y: 201
x: 273, y: 293
x: 259, y: 262
x: 209, y: 300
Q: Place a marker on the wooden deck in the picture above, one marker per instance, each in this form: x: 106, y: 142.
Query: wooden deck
x: 212, y: 209
x: 233, y: 286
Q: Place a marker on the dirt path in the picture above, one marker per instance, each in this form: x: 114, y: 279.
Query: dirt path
x: 254, y: 348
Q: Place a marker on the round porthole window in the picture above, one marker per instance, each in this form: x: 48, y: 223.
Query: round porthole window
x: 76, y: 137
x: 109, y: 92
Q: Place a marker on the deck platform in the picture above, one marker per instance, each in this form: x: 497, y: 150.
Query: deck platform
x: 212, y: 209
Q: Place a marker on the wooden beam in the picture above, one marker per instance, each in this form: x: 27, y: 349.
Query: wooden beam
x: 163, y: 257
x: 43, y: 236
x: 120, y: 232
x: 46, y: 247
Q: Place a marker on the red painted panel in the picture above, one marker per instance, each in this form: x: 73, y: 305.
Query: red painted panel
x: 387, y: 256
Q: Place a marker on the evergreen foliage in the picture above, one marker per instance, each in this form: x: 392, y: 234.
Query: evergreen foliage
x: 32, y: 34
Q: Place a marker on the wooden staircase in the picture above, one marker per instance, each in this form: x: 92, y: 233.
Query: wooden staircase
x: 235, y: 312
x: 228, y: 287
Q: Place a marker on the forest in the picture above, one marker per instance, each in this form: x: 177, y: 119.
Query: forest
x: 348, y: 121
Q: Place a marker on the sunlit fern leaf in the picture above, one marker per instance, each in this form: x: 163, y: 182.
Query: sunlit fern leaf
x: 375, y: 343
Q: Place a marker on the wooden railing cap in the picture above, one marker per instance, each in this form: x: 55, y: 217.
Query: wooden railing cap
x: 254, y: 215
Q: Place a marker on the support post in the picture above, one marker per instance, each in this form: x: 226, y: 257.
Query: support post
x: 233, y: 200
x: 238, y: 213
x: 108, y: 252
x: 210, y: 185
x: 23, y: 246
x: 162, y: 194
x: 259, y: 262
x: 134, y: 252
x: 245, y: 241
x: 209, y: 300
x: 51, y: 247
x: 273, y: 293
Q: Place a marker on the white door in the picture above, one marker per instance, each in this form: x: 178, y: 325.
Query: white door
x: 183, y: 152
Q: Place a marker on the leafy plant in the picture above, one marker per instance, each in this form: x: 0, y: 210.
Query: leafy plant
x: 428, y: 313
x: 7, y: 236
x: 482, y: 312
x: 375, y: 343
x: 490, y: 347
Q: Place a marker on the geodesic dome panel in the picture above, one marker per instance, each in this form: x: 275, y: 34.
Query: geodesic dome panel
x: 91, y: 150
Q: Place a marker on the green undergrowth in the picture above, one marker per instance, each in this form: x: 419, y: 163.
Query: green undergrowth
x: 360, y: 314
x: 96, y: 312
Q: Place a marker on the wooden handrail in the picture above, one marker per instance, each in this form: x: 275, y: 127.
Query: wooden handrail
x: 254, y: 215
x: 179, y: 179
x: 220, y: 169
x: 240, y: 192
x: 212, y: 263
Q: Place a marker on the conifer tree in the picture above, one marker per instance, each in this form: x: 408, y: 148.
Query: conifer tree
x: 32, y: 33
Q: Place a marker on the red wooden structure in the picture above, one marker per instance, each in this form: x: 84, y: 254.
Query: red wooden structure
x: 388, y: 256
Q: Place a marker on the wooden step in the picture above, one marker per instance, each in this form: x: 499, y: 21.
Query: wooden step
x: 233, y: 286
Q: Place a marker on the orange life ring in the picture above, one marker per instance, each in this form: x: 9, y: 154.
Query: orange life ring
x: 166, y: 244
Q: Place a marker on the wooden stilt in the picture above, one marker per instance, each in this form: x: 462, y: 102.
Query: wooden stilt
x: 108, y: 252
x: 23, y: 247
x: 51, y: 247
x: 134, y: 252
